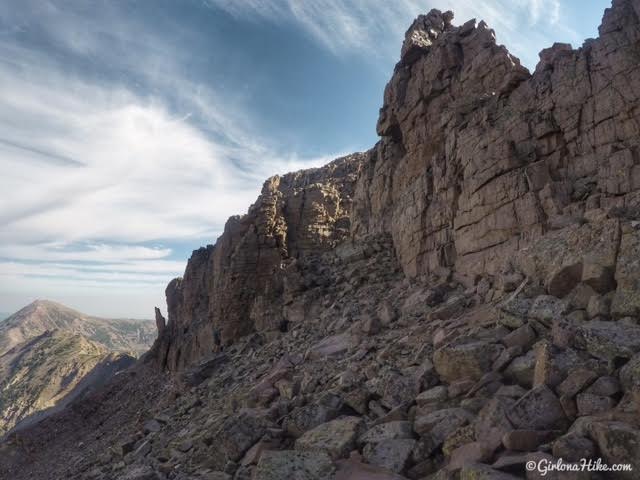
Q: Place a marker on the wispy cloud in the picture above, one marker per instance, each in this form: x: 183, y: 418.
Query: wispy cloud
x: 97, y: 165
x: 376, y: 27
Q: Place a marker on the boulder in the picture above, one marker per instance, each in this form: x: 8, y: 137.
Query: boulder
x: 598, y: 307
x: 538, y: 409
x: 464, y: 361
x: 526, y: 440
x: 396, y: 388
x: 521, y: 369
x: 547, y: 307
x: 522, y: 337
x: 386, y: 313
x: 469, y: 454
x: 391, y: 454
x: 492, y: 423
x: 277, y: 465
x: 387, y: 431
x: 573, y: 448
x: 337, y: 437
x: 305, y: 418
x: 332, y: 346
x: 433, y: 396
x: 619, y: 443
x: 589, y: 404
x: 151, y: 426
x: 354, y: 469
x: 483, y: 472
x: 630, y: 374
x: 577, y: 380
x: 441, y: 423
x: 140, y: 472
x: 237, y: 434
x: 605, y: 386
x: 626, y: 300
x: 608, y: 340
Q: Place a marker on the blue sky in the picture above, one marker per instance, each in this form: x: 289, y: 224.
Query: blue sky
x: 130, y: 130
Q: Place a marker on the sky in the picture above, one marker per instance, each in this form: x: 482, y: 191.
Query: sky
x: 131, y: 129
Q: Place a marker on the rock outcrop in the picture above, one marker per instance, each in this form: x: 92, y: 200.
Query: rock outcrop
x: 239, y: 285
x: 479, y: 159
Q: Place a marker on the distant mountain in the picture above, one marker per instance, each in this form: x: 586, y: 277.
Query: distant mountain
x: 51, y: 355
x: 119, y: 335
x: 51, y: 370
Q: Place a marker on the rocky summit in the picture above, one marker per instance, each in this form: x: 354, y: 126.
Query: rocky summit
x: 460, y: 300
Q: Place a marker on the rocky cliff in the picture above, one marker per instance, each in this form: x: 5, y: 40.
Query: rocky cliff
x: 239, y: 285
x: 457, y: 303
x: 478, y: 161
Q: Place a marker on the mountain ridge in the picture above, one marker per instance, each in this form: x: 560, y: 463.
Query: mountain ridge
x: 42, y: 315
x: 52, y: 355
x: 459, y: 302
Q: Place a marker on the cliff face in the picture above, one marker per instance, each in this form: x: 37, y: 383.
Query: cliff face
x: 478, y: 159
x: 238, y: 285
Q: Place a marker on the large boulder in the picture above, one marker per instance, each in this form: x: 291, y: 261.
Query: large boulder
x: 608, y: 340
x: 333, y: 345
x: 492, y: 422
x: 538, y: 409
x: 399, y: 429
x: 305, y: 418
x: 236, y: 435
x: 441, y: 423
x: 277, y: 465
x: 337, y: 437
x: 391, y: 454
x: 459, y: 361
x: 619, y: 443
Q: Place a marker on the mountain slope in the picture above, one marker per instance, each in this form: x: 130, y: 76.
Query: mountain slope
x: 122, y: 335
x: 51, y: 370
x: 50, y: 355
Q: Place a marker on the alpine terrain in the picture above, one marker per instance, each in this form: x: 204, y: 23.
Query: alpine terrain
x: 51, y: 355
x: 453, y: 304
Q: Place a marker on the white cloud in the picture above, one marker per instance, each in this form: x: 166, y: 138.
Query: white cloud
x: 94, y: 171
x: 376, y: 27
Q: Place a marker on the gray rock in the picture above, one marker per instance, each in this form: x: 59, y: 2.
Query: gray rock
x: 441, y: 423
x: 337, y: 437
x: 608, y: 340
x: 464, y: 361
x: 392, y: 454
x: 387, y: 431
x: 538, y: 409
x: 278, y: 465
